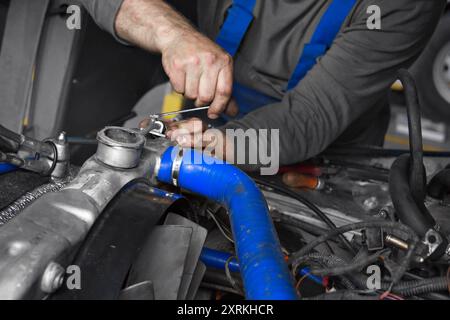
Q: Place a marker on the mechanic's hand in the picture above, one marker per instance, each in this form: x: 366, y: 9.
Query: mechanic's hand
x: 196, y: 66
x: 193, y: 133
x: 200, y: 70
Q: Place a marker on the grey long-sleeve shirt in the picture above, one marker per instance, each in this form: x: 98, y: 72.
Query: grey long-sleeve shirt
x: 348, y: 86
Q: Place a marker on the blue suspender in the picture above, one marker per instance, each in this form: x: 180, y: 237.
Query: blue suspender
x: 238, y: 21
x: 240, y: 16
x: 323, y: 38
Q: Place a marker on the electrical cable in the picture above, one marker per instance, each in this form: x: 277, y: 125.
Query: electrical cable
x: 308, y: 204
x: 404, y: 265
x: 338, y: 270
x: 230, y: 277
x: 219, y: 226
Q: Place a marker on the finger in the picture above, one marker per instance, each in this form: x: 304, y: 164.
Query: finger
x: 191, y: 125
x: 232, y: 109
x: 207, y: 88
x: 187, y: 140
x: 198, y: 140
x: 144, y: 123
x: 192, y: 83
x: 177, y: 77
x: 223, y: 93
x: 184, y: 140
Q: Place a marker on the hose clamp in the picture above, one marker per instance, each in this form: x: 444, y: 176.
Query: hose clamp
x: 177, y: 166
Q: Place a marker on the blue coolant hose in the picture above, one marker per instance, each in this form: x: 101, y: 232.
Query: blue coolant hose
x: 264, y: 272
x: 6, y: 167
x: 218, y: 259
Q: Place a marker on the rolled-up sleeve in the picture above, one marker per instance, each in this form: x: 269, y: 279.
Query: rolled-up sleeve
x: 104, y: 13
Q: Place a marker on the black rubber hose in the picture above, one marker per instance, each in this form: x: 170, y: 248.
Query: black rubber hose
x: 417, y: 176
x: 411, y: 213
x: 439, y: 185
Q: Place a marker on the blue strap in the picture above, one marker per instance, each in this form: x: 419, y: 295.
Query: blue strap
x: 322, y: 39
x: 236, y: 25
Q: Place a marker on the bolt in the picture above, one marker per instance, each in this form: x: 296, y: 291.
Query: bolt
x: 62, y: 137
x: 53, y: 277
x: 383, y: 214
x: 396, y: 242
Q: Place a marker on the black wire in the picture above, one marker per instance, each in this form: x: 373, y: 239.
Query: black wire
x: 355, y: 265
x: 310, y: 205
x: 404, y: 265
x: 230, y: 277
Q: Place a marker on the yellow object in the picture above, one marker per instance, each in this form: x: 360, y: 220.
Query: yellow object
x: 405, y: 142
x: 397, y: 86
x: 172, y: 102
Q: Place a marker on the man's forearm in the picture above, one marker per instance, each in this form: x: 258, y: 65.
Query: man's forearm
x: 197, y: 67
x: 151, y: 24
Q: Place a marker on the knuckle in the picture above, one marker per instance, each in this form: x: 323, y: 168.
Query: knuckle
x: 224, y: 91
x: 227, y: 59
x: 177, y: 64
x: 194, y: 60
x: 177, y: 86
x: 210, y: 58
x: 205, y: 97
x: 190, y: 94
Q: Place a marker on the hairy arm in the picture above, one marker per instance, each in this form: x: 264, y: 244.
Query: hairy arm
x: 151, y: 24
x: 196, y: 66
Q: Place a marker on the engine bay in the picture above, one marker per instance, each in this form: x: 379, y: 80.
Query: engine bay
x: 141, y: 221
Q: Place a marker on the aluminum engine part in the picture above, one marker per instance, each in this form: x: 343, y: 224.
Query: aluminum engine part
x: 20, y: 204
x: 51, y: 229
x: 120, y: 147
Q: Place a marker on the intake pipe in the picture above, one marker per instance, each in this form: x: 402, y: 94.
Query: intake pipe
x: 263, y: 269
